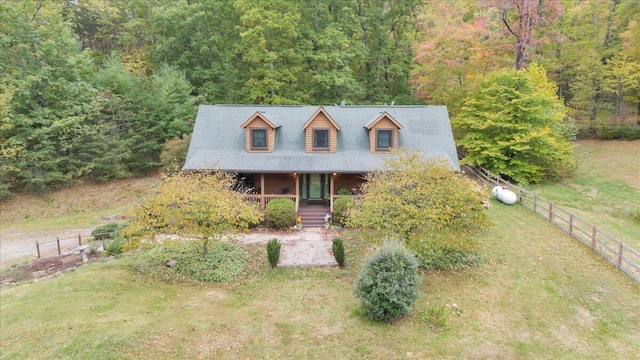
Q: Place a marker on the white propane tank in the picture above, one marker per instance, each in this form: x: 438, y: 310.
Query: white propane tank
x: 505, y: 195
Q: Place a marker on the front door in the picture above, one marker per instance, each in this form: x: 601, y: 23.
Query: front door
x: 314, y: 186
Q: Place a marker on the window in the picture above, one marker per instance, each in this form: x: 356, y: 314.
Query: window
x: 384, y: 139
x: 321, y: 139
x: 258, y: 138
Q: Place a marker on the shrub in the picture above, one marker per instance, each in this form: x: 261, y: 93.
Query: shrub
x: 413, y: 194
x: 341, y: 208
x: 223, y: 262
x: 106, y: 231
x: 388, y: 282
x: 281, y: 213
x: 338, y: 251
x: 618, y: 133
x: 189, y: 203
x: 114, y: 247
x: 273, y: 252
x: 444, y: 251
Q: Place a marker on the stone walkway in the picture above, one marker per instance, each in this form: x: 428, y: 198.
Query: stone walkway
x: 306, y: 247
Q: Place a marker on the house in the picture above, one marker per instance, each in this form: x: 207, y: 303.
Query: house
x: 308, y: 153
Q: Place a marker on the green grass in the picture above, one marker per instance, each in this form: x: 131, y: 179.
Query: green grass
x: 540, y: 294
x: 75, y: 206
x: 605, y: 190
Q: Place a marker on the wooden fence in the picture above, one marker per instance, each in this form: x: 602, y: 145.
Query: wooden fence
x: 65, y: 245
x: 613, y: 250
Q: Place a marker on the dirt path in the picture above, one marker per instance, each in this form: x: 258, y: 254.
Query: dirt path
x: 19, y: 245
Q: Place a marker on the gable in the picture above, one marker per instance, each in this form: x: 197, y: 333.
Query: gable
x: 259, y: 124
x: 319, y: 124
x: 386, y: 119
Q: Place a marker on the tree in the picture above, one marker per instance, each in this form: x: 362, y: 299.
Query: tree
x: 387, y: 30
x: 209, y: 55
x: 458, y: 46
x: 269, y: 32
x: 192, y: 204
x: 514, y: 126
x: 52, y: 132
x: 423, y: 202
x: 527, y: 20
x: 145, y: 112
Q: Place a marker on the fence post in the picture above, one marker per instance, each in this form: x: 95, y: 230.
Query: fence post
x: 58, y: 242
x: 79, y: 240
x: 535, y: 202
x: 571, y: 224
x: 38, y: 249
x: 619, y: 262
x: 593, y: 238
x: 550, y: 211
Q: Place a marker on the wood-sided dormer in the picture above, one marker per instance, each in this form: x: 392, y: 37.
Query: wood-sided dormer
x: 321, y: 132
x: 260, y: 133
x: 384, y: 132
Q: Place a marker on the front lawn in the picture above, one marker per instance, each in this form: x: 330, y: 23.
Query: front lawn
x: 540, y: 294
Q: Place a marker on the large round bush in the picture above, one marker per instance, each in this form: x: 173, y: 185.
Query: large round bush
x: 387, y: 285
x: 281, y: 213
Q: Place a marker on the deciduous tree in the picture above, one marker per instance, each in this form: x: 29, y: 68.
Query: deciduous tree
x: 515, y: 127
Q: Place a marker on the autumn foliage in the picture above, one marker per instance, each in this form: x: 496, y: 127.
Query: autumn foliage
x: 412, y: 197
x: 195, y: 204
x: 514, y: 125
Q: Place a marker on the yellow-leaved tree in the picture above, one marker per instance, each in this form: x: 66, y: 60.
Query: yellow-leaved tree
x: 423, y: 202
x: 192, y: 204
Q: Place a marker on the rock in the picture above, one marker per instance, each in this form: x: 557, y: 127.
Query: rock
x: 172, y: 263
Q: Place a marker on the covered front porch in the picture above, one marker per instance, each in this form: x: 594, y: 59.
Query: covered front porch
x: 304, y: 189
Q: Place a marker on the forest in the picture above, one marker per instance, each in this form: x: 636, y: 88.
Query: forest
x: 99, y: 89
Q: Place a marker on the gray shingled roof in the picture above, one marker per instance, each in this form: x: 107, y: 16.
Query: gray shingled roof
x: 218, y: 141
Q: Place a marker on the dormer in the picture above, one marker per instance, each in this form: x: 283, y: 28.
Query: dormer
x: 384, y: 131
x: 321, y: 132
x: 260, y: 133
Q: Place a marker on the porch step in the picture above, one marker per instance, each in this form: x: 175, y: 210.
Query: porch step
x: 313, y: 214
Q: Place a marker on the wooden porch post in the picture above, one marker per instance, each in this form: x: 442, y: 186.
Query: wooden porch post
x: 331, y: 192
x: 297, y: 190
x: 262, y: 202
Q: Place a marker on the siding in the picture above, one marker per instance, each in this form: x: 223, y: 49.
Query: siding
x: 274, y: 183
x: 384, y: 124
x: 271, y: 135
x: 321, y: 122
x: 347, y: 181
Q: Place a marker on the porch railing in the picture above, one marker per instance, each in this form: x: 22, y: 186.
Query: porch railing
x: 263, y: 200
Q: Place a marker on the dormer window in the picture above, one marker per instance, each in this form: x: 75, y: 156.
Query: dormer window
x: 321, y: 139
x: 321, y: 132
x: 384, y: 133
x: 260, y: 133
x: 259, y: 139
x: 384, y: 139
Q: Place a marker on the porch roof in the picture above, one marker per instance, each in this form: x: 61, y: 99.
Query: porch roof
x: 346, y: 162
